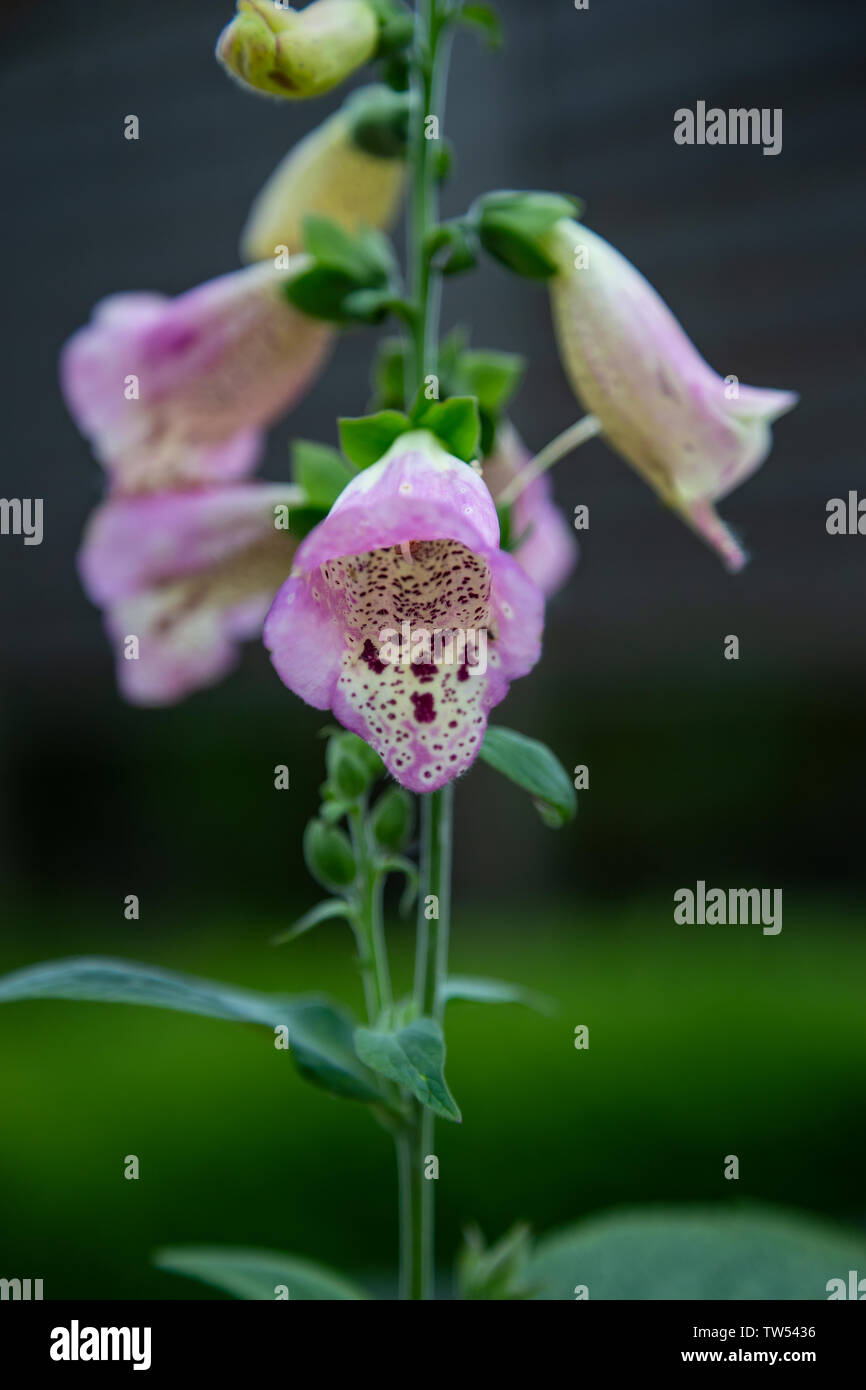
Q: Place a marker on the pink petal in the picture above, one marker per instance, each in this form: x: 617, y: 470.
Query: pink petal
x: 412, y: 541
x: 212, y: 367
x: 693, y: 434
x: 416, y: 492
x: 134, y: 543
x: 545, y: 545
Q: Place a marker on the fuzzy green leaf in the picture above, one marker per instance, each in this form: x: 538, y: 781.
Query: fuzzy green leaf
x: 323, y: 912
x: 413, y: 1057
x: 476, y: 990
x: 708, y: 1253
x: 256, y: 1274
x: 532, y: 766
x: 320, y: 1033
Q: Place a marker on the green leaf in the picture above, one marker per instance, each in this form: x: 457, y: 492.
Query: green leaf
x: 320, y: 1033
x: 453, y: 247
x: 320, y: 293
x: 414, y: 1057
x: 331, y: 245
x: 321, y: 1039
x: 475, y: 990
x: 455, y: 422
x: 707, y: 1253
x: 532, y: 766
x: 323, y: 912
x: 512, y: 225
x: 344, y: 267
x: 504, y: 240
x: 256, y: 1274
x: 373, y: 306
x: 493, y: 377
x: 379, y: 255
x: 451, y: 351
x: 379, y: 117
x: 389, y: 374
x: 304, y: 519
x: 364, y: 440
x: 321, y: 471
x: 534, y: 212
x: 486, y: 20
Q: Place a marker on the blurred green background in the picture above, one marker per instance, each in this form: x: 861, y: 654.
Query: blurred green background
x: 702, y: 1043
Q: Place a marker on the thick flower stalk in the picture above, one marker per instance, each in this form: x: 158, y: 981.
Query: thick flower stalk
x: 329, y: 174
x: 544, y: 545
x: 172, y: 392
x: 188, y: 576
x: 409, y: 550
x: 297, y: 54
x: 693, y: 435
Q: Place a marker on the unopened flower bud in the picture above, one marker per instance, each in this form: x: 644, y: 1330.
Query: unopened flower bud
x: 298, y: 53
x: 692, y: 434
x: 392, y: 819
x: 348, y: 773
x: 333, y: 172
x: 328, y: 855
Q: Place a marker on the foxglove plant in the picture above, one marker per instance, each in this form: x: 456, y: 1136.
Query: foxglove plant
x: 398, y: 582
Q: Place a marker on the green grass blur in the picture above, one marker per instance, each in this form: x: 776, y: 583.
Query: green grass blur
x: 704, y: 1042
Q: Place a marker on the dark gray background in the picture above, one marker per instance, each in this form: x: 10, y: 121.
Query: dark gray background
x: 696, y: 763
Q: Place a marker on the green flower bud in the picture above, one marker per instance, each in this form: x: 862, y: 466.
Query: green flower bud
x: 392, y: 818
x: 379, y: 120
x: 328, y: 855
x: 368, y: 756
x: 347, y: 772
x: 298, y: 53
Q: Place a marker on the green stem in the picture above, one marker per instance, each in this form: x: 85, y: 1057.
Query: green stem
x: 429, y: 77
x: 415, y: 1142
x: 431, y: 967
x: 572, y: 438
x: 371, y: 928
x: 432, y: 953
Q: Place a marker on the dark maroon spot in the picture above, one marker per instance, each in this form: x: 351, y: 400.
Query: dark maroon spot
x: 371, y: 657
x: 463, y: 673
x: 424, y: 710
x: 423, y: 671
